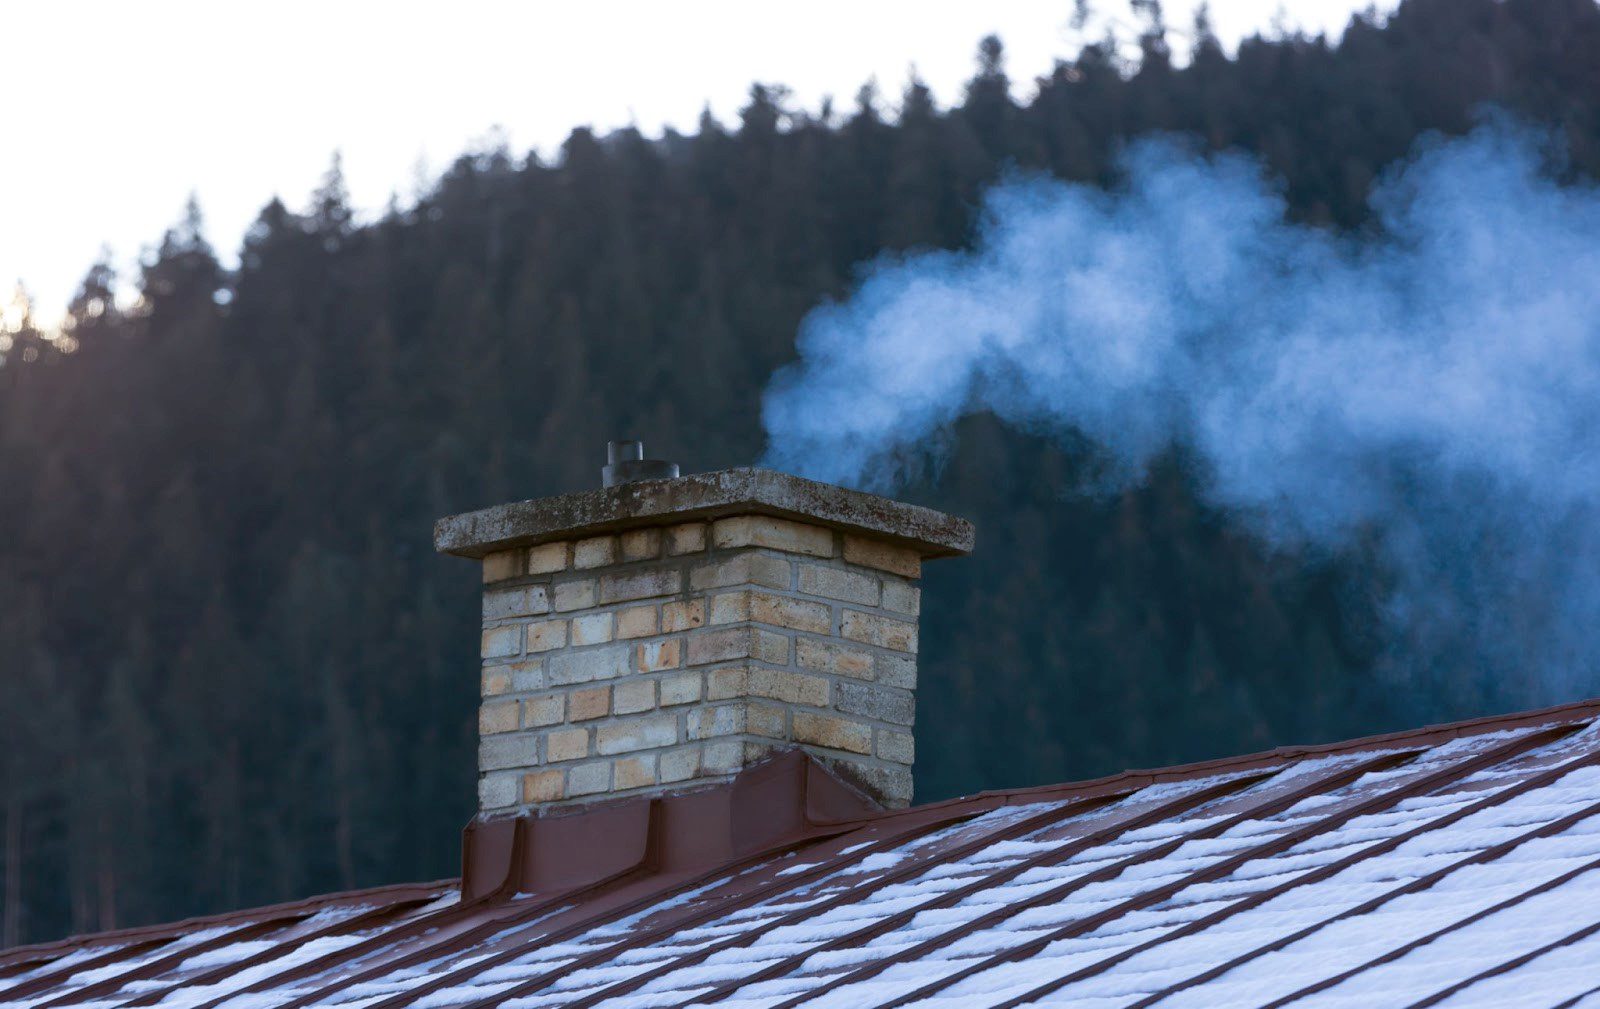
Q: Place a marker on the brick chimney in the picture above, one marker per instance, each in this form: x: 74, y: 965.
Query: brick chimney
x: 662, y: 634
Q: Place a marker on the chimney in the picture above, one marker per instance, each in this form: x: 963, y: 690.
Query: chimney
x: 665, y: 632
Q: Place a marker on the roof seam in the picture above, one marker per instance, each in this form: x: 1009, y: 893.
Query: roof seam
x: 1025, y: 826
x: 1356, y: 858
x: 1400, y: 951
x: 1509, y: 965
x: 875, y: 929
x: 1001, y: 913
x: 1420, y: 786
x: 42, y: 951
x: 347, y: 925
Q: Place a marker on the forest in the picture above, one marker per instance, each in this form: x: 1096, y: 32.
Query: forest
x: 232, y: 669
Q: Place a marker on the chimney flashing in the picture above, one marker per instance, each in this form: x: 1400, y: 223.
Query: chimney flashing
x: 742, y: 491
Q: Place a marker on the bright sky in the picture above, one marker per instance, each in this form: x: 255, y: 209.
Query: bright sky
x: 116, y: 111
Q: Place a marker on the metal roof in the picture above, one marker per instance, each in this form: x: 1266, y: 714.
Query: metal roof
x: 1452, y: 866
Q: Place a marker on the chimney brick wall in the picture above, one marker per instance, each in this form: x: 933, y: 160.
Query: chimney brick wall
x: 660, y: 634
x: 621, y: 663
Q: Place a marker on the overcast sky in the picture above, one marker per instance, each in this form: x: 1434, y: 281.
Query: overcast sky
x: 116, y: 111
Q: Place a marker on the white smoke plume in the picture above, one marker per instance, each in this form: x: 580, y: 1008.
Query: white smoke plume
x: 1431, y: 384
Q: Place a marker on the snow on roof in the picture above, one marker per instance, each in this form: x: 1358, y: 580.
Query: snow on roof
x: 1453, y: 866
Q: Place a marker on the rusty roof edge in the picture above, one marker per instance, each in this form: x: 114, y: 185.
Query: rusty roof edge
x: 1120, y: 781
x: 718, y: 494
x: 1142, y: 777
x: 398, y: 892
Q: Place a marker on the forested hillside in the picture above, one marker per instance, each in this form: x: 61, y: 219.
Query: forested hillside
x: 232, y: 671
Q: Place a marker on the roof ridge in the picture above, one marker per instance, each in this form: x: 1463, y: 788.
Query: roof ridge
x: 1143, y: 777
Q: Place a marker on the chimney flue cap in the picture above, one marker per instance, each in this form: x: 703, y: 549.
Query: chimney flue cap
x: 625, y: 463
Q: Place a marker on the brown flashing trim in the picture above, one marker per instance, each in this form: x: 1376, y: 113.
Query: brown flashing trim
x: 1276, y: 804
x: 898, y: 874
x: 770, y: 885
x: 1339, y: 865
x: 773, y: 801
x: 693, y: 834
x: 1422, y: 785
x: 1416, y: 885
x: 1510, y: 965
x: 882, y: 926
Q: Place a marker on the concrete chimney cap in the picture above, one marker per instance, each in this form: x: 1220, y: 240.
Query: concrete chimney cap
x: 743, y: 491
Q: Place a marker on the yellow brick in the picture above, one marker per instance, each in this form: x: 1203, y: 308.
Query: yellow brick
x: 899, y: 747
x: 722, y: 684
x: 638, y: 622
x: 496, y: 681
x: 629, y: 698
x: 839, y: 583
x: 502, y: 565
x: 742, y: 569
x: 595, y: 552
x: 566, y: 744
x: 641, y: 544
x: 679, y: 765
x: 834, y: 733
x: 795, y: 688
x: 828, y: 657
x: 541, y: 711
x: 592, y: 629
x: 633, y: 772
x: 775, y: 533
x: 594, y: 702
x: 547, y: 634
x: 730, y: 607
x: 548, y: 558
x: 885, y: 632
x: 783, y: 611
x: 767, y: 720
x: 688, y: 538
x: 630, y: 584
x: 664, y: 654
x: 501, y: 716
x: 883, y: 556
x: 683, y: 616
x: 587, y: 779
x: 499, y: 642
x: 629, y: 734
x: 770, y: 646
x: 684, y: 688
x: 579, y: 595
x: 901, y: 597
x: 542, y: 786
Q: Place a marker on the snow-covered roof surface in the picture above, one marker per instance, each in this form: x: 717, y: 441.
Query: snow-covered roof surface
x: 1453, y: 866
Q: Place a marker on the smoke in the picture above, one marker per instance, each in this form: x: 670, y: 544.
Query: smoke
x: 1429, y: 387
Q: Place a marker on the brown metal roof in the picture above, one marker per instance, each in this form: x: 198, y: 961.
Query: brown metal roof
x: 1453, y: 865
